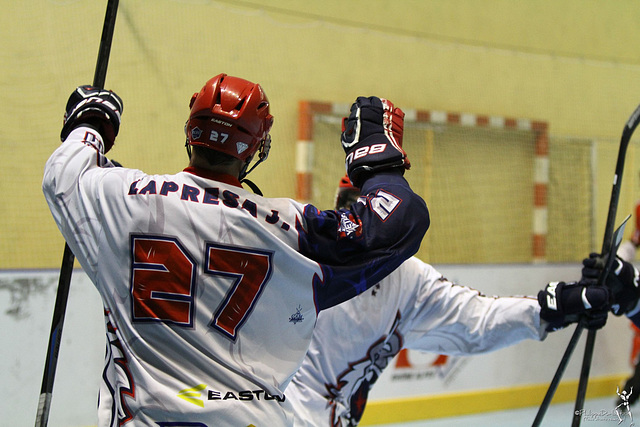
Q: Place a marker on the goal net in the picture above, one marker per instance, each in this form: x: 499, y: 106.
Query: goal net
x: 499, y: 190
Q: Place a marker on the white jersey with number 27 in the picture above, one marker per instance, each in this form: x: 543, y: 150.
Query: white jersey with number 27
x: 211, y: 292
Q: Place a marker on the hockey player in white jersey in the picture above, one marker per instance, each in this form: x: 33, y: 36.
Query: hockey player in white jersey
x: 417, y: 308
x: 210, y: 291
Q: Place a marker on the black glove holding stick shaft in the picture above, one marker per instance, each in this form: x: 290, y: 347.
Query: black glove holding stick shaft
x: 622, y: 282
x: 564, y: 303
x: 97, y: 108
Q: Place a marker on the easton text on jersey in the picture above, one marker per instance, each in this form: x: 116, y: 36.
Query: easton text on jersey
x: 243, y: 395
x: 207, y: 196
x: 193, y: 395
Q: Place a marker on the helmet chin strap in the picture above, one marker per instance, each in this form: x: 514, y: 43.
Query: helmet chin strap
x: 244, y: 172
x: 188, y: 147
x: 251, y: 185
x: 263, y: 153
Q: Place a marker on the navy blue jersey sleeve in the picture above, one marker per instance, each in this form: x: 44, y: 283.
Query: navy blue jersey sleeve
x: 360, y: 246
x: 635, y: 319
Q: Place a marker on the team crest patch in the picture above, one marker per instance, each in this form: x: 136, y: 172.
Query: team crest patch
x: 297, y: 316
x: 196, y: 133
x: 348, y: 227
x: 241, y: 146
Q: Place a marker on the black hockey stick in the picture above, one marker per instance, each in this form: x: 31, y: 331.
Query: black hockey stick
x: 608, y: 247
x: 629, y: 127
x: 68, y: 258
x: 588, y: 355
x: 558, y: 375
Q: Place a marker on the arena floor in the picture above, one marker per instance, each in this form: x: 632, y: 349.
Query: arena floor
x: 597, y: 413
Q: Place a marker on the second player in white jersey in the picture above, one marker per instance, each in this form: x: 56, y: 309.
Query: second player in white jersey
x: 416, y: 308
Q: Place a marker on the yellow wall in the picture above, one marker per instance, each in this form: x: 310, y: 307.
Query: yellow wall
x: 572, y: 63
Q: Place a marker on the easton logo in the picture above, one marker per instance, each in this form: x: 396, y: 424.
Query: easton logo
x: 194, y: 395
x: 221, y: 122
x: 551, y: 296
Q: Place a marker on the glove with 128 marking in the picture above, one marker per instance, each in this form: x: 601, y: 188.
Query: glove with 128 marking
x: 372, y: 138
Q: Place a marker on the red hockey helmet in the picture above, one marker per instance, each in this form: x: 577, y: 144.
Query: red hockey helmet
x: 230, y: 115
x: 346, y: 194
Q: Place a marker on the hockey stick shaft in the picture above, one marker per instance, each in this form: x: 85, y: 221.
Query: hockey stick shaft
x: 44, y: 403
x: 558, y: 376
x: 584, y: 378
x: 607, y: 243
x: 68, y: 258
x: 104, y: 52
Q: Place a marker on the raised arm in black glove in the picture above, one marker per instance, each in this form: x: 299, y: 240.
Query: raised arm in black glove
x: 372, y: 138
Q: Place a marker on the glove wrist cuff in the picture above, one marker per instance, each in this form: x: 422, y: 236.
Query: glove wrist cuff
x: 635, y: 310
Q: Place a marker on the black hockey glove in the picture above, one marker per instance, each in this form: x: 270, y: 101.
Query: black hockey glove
x: 622, y: 282
x: 564, y: 303
x: 98, y: 108
x: 372, y: 138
